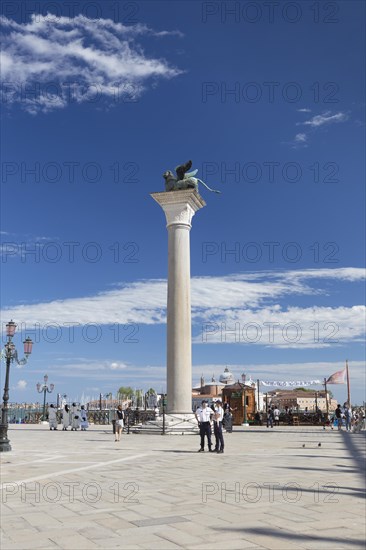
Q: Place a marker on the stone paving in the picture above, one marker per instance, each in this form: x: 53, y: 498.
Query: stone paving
x: 75, y: 490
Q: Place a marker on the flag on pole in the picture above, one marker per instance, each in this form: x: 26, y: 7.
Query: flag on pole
x: 338, y: 377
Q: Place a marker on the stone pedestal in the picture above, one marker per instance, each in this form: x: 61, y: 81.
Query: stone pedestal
x: 179, y: 208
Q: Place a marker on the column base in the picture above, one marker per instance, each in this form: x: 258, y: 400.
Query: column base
x: 175, y: 424
x: 4, y: 441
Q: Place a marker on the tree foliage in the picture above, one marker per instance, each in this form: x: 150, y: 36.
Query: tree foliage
x: 125, y: 391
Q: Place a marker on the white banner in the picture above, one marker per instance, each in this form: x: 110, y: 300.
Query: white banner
x: 300, y: 383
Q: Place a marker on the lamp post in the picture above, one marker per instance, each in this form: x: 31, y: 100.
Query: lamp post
x: 10, y: 354
x: 326, y: 397
x: 243, y: 377
x: 242, y: 385
x: 164, y: 410
x: 44, y: 388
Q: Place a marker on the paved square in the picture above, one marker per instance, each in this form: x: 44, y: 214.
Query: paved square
x: 273, y: 488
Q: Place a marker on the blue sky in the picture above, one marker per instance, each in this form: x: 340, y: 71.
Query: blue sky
x: 98, y: 100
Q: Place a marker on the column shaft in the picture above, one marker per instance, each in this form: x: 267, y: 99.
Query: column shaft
x: 179, y: 347
x: 179, y: 208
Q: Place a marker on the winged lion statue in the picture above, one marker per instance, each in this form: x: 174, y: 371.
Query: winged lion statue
x: 184, y: 179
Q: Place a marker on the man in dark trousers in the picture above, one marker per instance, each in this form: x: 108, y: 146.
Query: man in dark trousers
x: 339, y: 415
x: 203, y: 416
x: 219, y: 438
x: 270, y: 417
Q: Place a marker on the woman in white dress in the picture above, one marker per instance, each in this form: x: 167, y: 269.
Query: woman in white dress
x: 52, y: 418
x: 83, y: 419
x: 119, y: 422
x: 75, y: 417
x: 65, y: 418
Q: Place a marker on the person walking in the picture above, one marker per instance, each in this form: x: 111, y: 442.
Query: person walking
x: 83, y: 419
x: 65, y: 418
x: 227, y: 421
x: 218, y: 418
x: 52, y: 417
x: 327, y: 423
x: 75, y: 417
x: 347, y: 417
x: 203, y: 416
x: 276, y: 416
x: 338, y: 415
x: 120, y: 415
x: 270, y: 418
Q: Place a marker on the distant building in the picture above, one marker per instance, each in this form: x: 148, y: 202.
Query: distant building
x: 298, y: 399
x: 212, y: 390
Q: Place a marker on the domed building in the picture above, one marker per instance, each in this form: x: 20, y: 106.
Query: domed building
x: 226, y: 377
x: 211, y: 390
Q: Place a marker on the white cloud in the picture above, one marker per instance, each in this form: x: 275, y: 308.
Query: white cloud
x: 118, y: 366
x: 21, y: 385
x: 301, y: 138
x: 325, y: 118
x: 76, y: 59
x: 106, y: 371
x: 89, y: 369
x: 300, y: 141
x: 19, y: 244
x: 257, y: 297
x: 292, y: 327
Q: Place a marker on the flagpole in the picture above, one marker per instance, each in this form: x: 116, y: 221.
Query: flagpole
x: 326, y: 396
x: 348, y: 386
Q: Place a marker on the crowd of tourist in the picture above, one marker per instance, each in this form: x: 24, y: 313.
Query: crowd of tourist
x: 75, y: 417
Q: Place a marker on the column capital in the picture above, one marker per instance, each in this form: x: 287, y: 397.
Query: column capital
x: 179, y: 206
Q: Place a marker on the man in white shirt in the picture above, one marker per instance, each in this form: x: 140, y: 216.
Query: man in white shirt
x: 219, y: 438
x: 203, y: 416
x: 276, y: 413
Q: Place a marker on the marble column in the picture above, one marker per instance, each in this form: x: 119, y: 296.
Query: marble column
x: 179, y: 208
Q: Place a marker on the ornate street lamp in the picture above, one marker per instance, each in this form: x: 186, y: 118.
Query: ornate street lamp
x: 10, y: 354
x: 45, y: 388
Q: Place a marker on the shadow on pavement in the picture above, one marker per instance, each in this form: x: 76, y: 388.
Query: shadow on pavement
x: 273, y: 533
x: 355, y: 444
